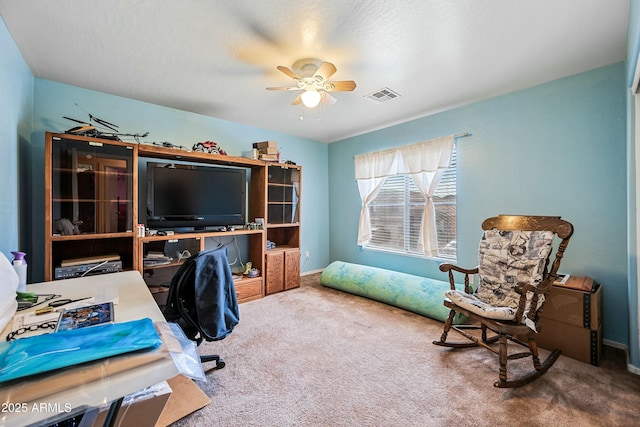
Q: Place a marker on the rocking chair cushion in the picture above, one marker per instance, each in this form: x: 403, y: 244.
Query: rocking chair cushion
x: 507, y: 258
x: 474, y: 305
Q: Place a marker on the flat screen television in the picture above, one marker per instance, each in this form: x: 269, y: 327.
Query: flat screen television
x: 195, y: 196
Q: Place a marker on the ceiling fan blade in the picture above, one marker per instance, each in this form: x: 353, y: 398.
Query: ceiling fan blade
x: 298, y: 100
x: 288, y: 72
x: 284, y: 88
x: 343, y: 86
x: 328, y: 99
x: 324, y: 71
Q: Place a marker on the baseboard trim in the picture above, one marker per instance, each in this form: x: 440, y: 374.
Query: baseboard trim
x: 306, y: 273
x: 631, y: 368
x: 616, y: 344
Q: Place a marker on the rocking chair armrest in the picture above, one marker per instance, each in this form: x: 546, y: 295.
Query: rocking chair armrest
x: 450, y: 268
x: 446, y: 267
x: 542, y: 288
x: 523, y: 288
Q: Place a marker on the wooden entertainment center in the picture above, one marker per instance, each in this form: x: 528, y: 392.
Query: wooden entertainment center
x: 91, y: 213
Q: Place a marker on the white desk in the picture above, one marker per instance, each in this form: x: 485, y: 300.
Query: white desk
x: 95, y: 383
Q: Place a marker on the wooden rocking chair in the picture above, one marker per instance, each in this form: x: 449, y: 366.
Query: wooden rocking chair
x: 514, y: 277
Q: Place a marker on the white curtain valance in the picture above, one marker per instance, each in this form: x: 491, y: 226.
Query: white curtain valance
x: 427, y: 156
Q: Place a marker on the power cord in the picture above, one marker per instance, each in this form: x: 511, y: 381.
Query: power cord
x: 94, y: 267
x: 234, y: 241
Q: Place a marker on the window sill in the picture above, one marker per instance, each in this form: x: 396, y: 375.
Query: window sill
x: 409, y: 254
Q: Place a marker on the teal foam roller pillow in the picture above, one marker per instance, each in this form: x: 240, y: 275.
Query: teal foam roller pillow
x: 413, y: 293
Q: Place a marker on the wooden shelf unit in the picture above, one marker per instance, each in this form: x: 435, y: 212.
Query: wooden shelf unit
x: 113, y: 166
x: 90, y: 199
x: 282, y: 263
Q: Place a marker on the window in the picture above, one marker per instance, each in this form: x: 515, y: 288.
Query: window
x: 397, y: 215
x: 444, y: 201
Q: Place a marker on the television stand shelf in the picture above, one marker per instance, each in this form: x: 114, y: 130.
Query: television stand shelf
x: 92, y: 192
x: 180, y: 246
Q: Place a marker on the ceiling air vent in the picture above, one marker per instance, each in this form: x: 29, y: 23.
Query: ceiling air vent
x: 382, y: 95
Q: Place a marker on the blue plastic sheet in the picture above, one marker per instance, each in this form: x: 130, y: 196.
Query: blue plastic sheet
x: 42, y: 353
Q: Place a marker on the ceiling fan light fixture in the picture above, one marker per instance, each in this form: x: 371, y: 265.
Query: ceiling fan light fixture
x: 311, y: 98
x: 312, y: 79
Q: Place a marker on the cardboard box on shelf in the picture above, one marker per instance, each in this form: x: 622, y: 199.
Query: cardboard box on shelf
x: 575, y: 305
x: 268, y: 150
x: 269, y: 157
x: 576, y: 342
x: 265, y: 144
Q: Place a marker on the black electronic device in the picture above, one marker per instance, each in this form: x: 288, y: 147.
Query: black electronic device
x: 197, y: 196
x: 89, y: 269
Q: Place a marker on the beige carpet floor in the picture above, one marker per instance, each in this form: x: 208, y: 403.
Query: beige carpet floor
x: 315, y: 356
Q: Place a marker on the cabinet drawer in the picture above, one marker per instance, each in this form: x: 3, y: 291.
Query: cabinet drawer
x: 249, y: 290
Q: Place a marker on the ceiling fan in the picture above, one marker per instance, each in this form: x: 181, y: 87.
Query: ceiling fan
x: 313, y: 80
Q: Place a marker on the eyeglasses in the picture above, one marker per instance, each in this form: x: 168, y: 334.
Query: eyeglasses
x: 31, y: 328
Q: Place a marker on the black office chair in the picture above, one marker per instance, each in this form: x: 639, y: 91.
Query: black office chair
x: 202, y: 299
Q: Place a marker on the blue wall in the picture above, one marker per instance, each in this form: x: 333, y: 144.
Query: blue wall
x: 554, y: 149
x: 16, y: 87
x: 54, y: 100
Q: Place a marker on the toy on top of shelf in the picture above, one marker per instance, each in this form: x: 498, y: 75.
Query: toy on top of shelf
x: 91, y: 129
x: 167, y: 144
x: 211, y: 147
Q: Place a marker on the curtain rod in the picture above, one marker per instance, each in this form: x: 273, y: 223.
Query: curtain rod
x: 458, y: 135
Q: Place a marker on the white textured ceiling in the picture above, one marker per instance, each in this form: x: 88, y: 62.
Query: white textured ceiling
x: 216, y: 57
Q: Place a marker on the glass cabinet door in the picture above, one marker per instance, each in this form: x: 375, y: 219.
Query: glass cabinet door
x: 92, y: 187
x: 283, y: 195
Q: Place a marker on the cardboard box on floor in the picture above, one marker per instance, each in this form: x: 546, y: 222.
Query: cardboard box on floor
x: 185, y: 399
x: 162, y: 409
x: 577, y: 302
x: 140, y: 411
x: 576, y: 342
x: 572, y: 320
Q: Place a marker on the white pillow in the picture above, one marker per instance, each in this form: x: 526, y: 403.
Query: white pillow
x: 8, y: 287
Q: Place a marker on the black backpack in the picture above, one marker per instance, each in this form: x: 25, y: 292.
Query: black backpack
x: 190, y: 291
x: 180, y: 306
